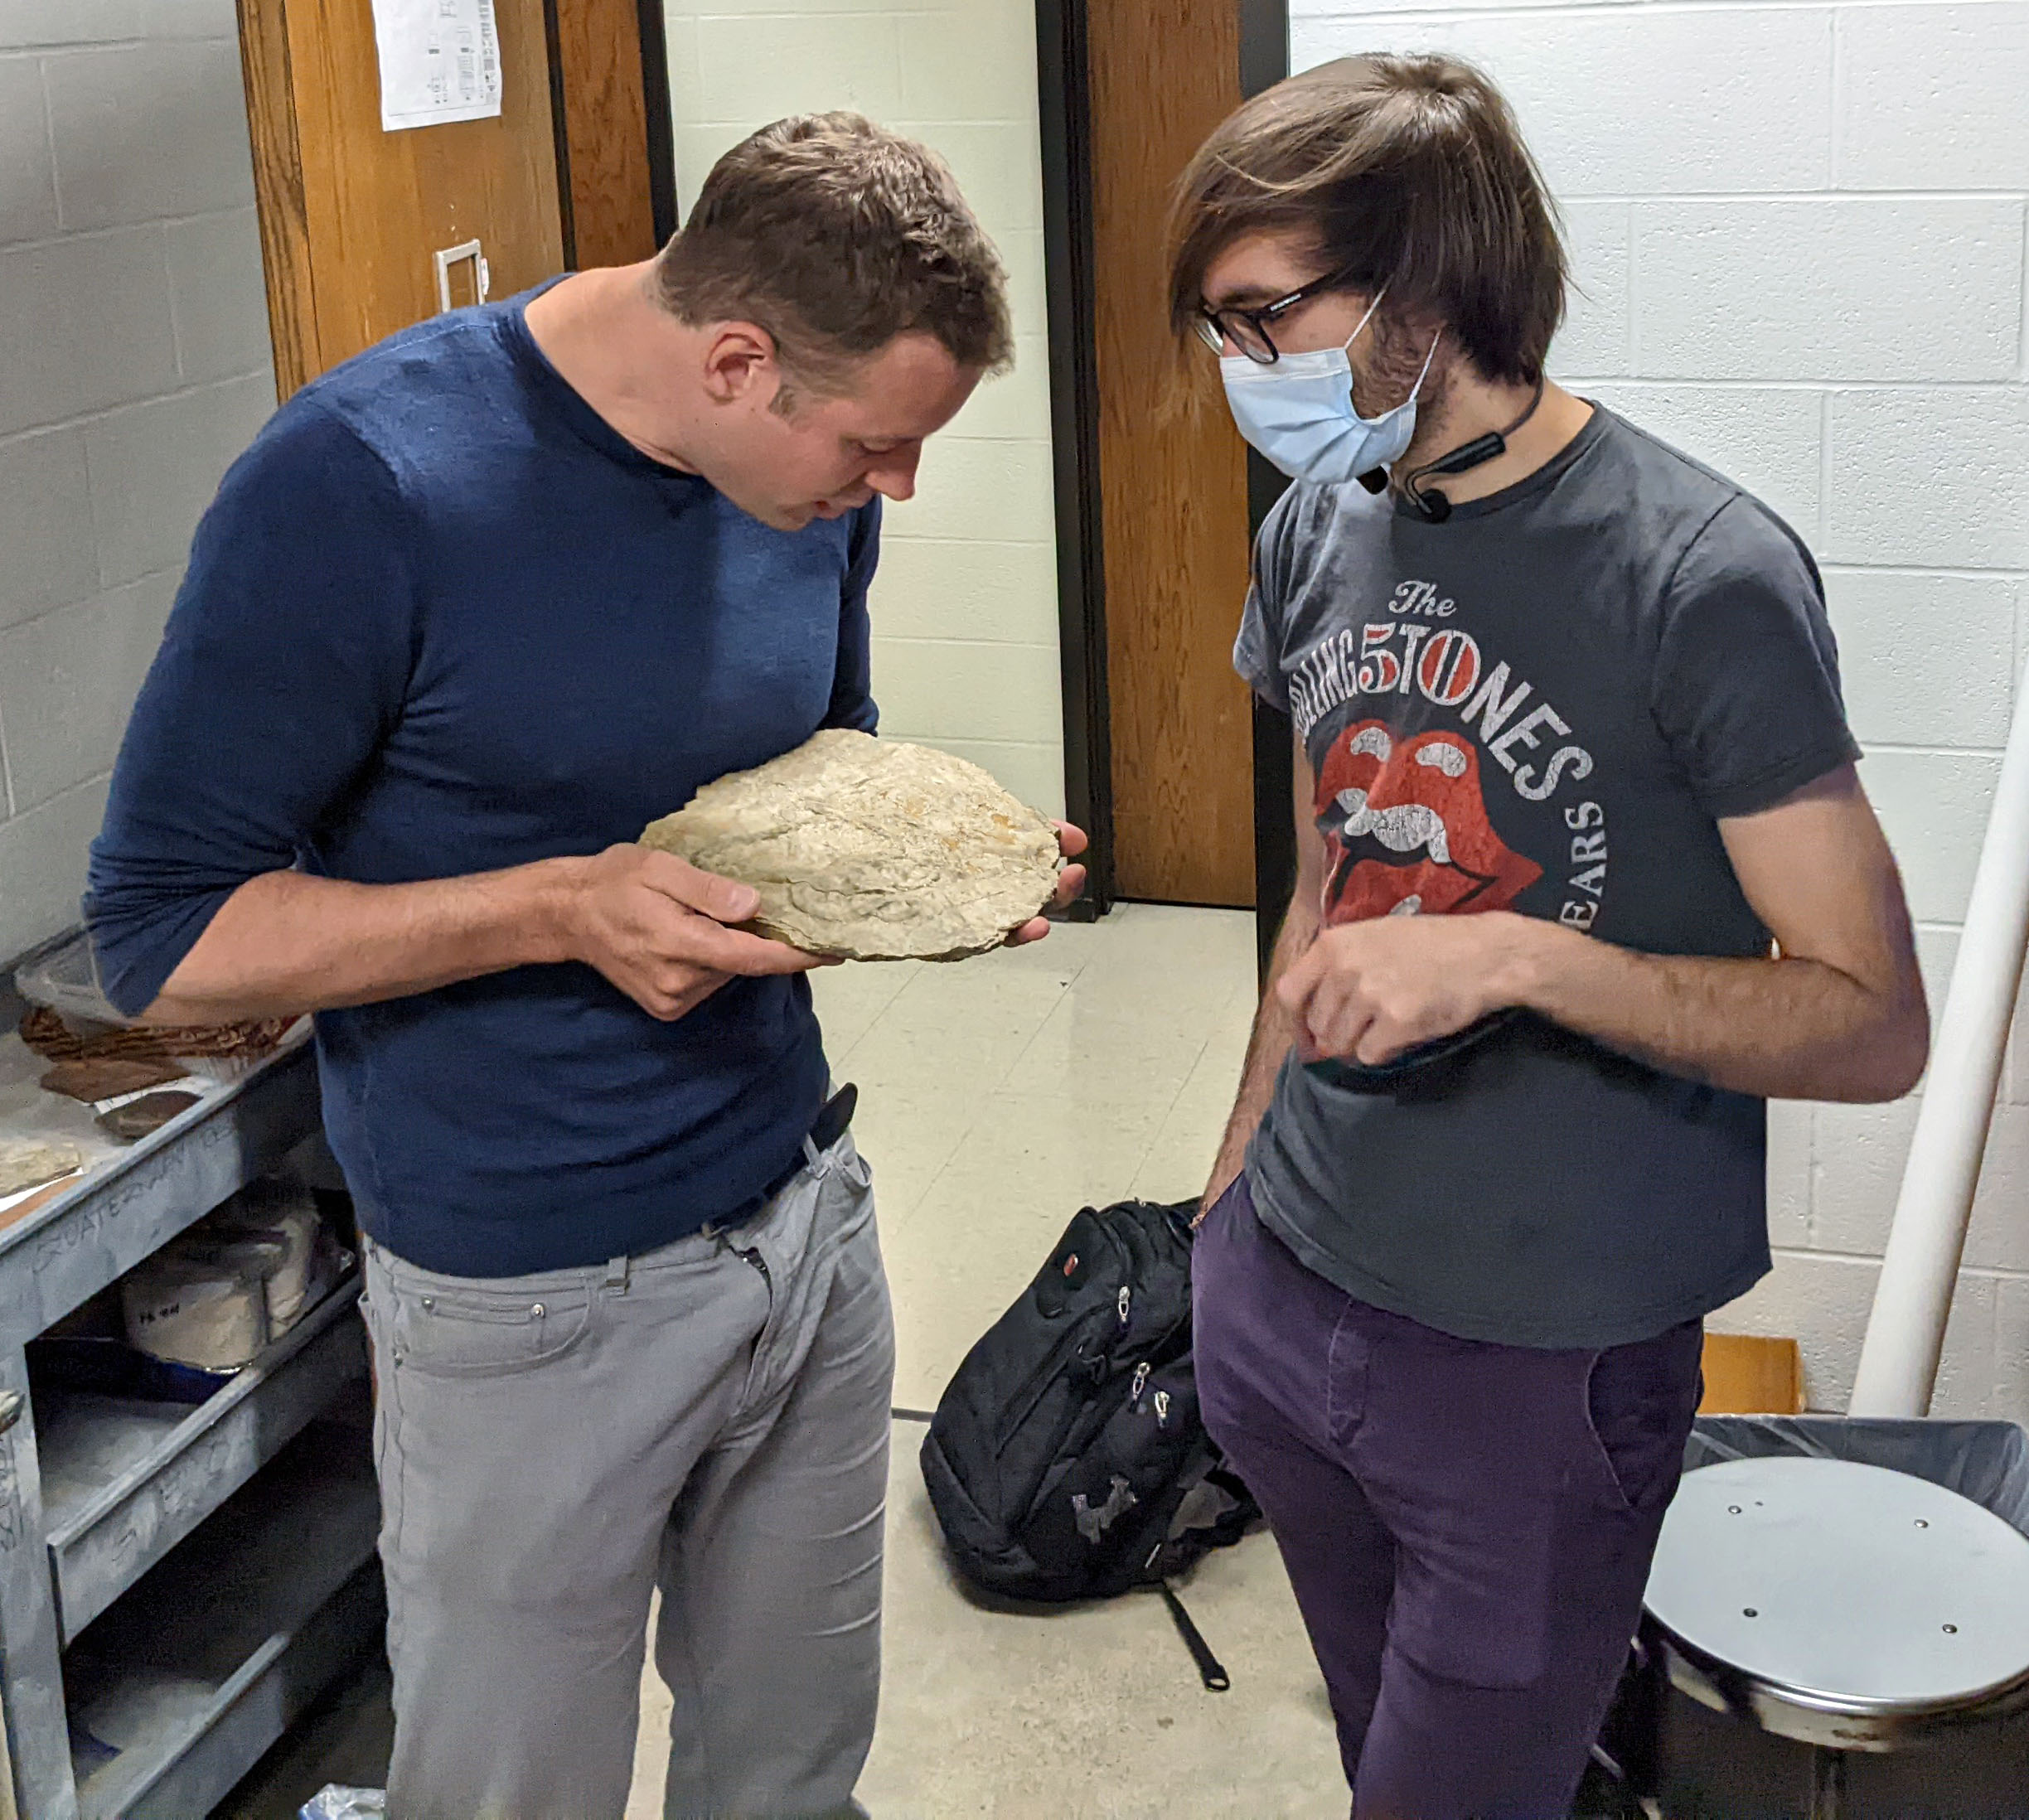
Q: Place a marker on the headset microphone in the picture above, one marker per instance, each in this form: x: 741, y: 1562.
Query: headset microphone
x: 1435, y: 506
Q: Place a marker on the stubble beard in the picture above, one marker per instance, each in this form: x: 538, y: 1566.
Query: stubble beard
x: 1393, y: 363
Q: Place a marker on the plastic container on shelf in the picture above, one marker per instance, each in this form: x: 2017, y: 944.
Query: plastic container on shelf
x: 63, y: 976
x: 203, y: 1305
x: 286, y: 1212
x: 334, y: 1803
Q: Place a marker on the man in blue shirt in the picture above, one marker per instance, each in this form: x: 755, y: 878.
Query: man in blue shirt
x: 472, y: 610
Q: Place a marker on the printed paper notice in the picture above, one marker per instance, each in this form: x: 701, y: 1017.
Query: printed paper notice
x: 439, y: 62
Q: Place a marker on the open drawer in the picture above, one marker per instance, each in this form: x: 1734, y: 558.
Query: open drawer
x: 123, y: 1481
x: 179, y: 1689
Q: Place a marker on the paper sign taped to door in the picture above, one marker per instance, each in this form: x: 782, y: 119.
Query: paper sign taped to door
x: 439, y: 62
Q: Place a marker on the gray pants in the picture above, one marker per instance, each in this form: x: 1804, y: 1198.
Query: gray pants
x: 710, y: 1418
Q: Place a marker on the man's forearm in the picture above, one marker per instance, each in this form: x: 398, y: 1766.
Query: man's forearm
x: 1784, y: 1028
x: 1274, y: 1030
x: 289, y: 942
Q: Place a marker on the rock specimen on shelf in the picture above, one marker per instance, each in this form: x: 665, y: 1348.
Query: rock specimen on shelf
x: 28, y: 1163
x: 871, y: 850
x: 107, y: 1077
x: 133, y: 1119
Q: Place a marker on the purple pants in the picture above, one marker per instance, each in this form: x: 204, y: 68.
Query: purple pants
x: 1468, y: 1527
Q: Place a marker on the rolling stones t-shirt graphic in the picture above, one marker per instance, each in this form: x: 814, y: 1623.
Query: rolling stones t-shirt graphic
x: 1547, y: 705
x: 1396, y: 715
x: 1406, y: 830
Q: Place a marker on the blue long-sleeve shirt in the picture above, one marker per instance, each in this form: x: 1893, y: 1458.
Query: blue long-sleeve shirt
x: 442, y: 619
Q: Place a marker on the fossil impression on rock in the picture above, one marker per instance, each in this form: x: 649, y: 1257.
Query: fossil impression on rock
x: 871, y: 850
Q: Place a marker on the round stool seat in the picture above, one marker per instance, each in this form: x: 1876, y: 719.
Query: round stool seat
x: 1836, y: 1589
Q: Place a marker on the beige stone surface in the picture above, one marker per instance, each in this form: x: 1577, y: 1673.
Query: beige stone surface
x: 872, y: 849
x: 29, y: 1163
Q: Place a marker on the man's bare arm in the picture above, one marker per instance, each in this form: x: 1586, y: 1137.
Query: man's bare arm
x: 1275, y: 1026
x: 1836, y: 1012
x: 288, y: 941
x: 654, y: 926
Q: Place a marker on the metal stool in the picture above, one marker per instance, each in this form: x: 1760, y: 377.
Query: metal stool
x: 1848, y: 1614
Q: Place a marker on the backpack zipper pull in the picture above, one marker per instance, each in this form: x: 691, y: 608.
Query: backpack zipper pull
x: 1141, y: 1378
x: 1127, y: 1301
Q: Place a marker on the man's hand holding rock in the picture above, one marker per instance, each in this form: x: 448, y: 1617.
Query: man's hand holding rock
x: 1070, y: 885
x: 656, y: 927
x: 659, y: 928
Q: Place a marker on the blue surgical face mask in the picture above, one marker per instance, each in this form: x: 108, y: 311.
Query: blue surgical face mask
x: 1299, y: 413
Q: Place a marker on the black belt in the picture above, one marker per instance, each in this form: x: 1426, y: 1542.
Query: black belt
x: 833, y: 1120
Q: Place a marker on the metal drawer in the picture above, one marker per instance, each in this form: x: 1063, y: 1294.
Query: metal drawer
x: 123, y: 1483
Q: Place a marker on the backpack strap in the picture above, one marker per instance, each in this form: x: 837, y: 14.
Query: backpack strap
x: 1210, y: 1669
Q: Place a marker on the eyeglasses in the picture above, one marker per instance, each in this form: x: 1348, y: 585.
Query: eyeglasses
x: 1247, y: 330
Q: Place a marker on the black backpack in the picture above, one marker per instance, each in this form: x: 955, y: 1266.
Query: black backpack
x: 1067, y: 1460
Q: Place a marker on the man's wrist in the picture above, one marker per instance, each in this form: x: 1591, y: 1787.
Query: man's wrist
x: 1531, y: 955
x: 547, y: 895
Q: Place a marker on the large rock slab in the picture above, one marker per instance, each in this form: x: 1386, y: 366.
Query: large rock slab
x: 872, y: 849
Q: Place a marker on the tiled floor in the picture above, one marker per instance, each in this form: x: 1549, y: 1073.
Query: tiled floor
x: 997, y: 1097
x: 1000, y: 1095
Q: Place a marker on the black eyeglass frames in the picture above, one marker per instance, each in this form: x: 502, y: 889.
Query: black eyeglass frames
x: 1247, y: 330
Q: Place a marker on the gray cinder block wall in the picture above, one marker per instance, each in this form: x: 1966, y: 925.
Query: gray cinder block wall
x: 133, y: 367
x: 965, y: 607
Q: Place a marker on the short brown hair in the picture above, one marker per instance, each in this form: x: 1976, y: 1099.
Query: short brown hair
x: 1408, y: 173
x: 836, y: 236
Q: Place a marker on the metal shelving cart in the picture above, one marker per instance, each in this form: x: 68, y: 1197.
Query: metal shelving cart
x: 177, y: 1582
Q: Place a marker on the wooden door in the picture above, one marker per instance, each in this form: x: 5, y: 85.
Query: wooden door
x: 613, y: 129
x: 1174, y: 507
x: 351, y: 215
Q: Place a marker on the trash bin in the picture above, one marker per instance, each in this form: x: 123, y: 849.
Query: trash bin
x: 1705, y: 1739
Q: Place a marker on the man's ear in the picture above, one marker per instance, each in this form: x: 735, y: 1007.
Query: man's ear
x: 740, y: 364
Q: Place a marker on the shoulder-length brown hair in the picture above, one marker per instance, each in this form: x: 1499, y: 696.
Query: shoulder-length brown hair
x: 1405, y: 171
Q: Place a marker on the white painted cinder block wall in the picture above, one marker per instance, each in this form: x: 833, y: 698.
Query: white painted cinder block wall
x: 134, y: 366
x: 1799, y: 231
x: 965, y: 605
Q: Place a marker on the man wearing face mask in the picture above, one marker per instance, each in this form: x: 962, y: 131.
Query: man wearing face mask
x: 1585, y: 876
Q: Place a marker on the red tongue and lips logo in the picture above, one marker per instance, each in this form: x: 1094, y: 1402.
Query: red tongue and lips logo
x: 1405, y: 828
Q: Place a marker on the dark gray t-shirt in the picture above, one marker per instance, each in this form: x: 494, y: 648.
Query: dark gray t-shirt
x: 1543, y: 705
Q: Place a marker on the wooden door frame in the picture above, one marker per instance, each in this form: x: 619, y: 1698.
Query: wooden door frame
x: 1069, y: 296
x: 276, y: 151
x: 661, y: 119
x: 1264, y: 62
x: 1070, y: 291
x: 660, y: 126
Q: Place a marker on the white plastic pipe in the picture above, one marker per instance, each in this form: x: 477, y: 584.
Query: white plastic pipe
x: 1912, y: 1302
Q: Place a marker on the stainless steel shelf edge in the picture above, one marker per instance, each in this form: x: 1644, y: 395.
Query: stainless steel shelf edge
x: 99, y: 1550
x: 66, y: 1252
x: 30, y: 1667
x: 251, y: 1712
